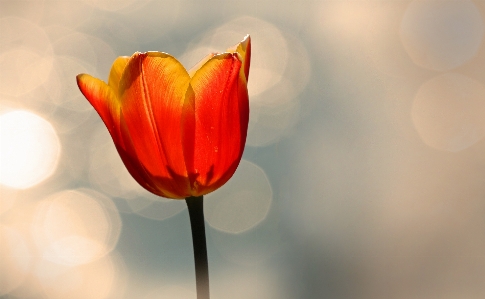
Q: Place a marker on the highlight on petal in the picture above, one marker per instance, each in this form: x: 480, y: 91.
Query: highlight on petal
x: 116, y: 71
x: 221, y: 113
x: 103, y: 99
x: 153, y: 87
x: 244, y: 50
x: 199, y: 64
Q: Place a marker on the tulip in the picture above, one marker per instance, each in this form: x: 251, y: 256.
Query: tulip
x: 179, y: 133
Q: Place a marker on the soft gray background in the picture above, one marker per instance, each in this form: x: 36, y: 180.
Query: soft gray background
x: 363, y: 174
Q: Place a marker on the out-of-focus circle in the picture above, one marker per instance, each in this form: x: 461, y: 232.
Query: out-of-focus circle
x: 72, y: 108
x: 114, y: 5
x: 297, y: 72
x: 72, y: 44
x: 121, y: 37
x: 170, y: 292
x: 29, y: 149
x: 67, y: 13
x: 269, y: 123
x: 109, y: 175
x: 22, y: 71
x: 343, y: 20
x: 258, y: 283
x: 448, y: 112
x: 158, y: 209
x: 15, y: 259
x: 25, y: 56
x: 76, y: 227
x: 158, y: 17
x: 75, y: 53
x: 441, y: 35
x: 7, y: 198
x: 250, y: 248
x: 86, y: 49
x: 382, y: 43
x: 94, y: 280
x: 242, y: 203
x: 34, y: 11
x: 68, y: 95
x: 275, y: 111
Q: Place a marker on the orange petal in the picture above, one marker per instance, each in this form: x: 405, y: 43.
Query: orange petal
x: 138, y: 172
x: 103, y: 99
x: 153, y: 88
x: 132, y: 163
x: 244, y: 51
x: 116, y: 71
x: 220, y: 111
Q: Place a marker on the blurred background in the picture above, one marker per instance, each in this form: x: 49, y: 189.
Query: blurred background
x: 363, y: 174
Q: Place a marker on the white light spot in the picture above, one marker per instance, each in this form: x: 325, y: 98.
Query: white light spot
x: 29, y: 149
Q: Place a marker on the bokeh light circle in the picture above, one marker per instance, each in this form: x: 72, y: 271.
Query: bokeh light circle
x: 15, y: 259
x: 448, y: 112
x: 382, y: 43
x: 441, y: 35
x: 114, y: 5
x: 25, y: 56
x: 29, y: 149
x: 7, y: 200
x: 170, y: 292
x: 159, y: 17
x: 268, y: 124
x: 258, y: 283
x: 33, y: 12
x: 242, y: 203
x: 275, y: 111
x: 72, y: 14
x: 75, y: 227
x: 94, y: 280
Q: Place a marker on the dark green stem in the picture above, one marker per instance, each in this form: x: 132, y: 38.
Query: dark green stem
x: 195, y: 206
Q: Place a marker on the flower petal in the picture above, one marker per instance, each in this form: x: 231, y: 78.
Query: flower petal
x: 132, y: 163
x: 116, y: 71
x: 153, y: 88
x: 220, y: 112
x: 244, y: 51
x: 104, y: 100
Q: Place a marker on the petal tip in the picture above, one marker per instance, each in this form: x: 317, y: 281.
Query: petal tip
x: 246, y: 40
x: 79, y: 77
x: 82, y: 81
x: 243, y: 49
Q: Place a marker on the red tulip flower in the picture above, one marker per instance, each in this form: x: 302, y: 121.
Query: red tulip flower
x: 179, y: 133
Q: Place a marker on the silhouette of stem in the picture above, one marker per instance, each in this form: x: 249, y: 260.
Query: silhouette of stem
x: 195, y: 206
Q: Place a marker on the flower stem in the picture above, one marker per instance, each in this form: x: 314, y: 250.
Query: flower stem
x: 195, y: 206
